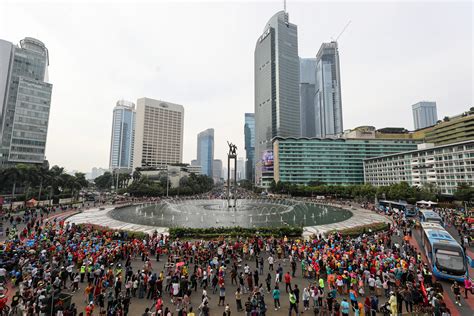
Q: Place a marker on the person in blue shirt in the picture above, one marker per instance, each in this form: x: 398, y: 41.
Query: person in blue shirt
x: 345, y: 307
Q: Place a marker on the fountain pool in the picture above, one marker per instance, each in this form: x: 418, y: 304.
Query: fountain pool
x: 215, y: 213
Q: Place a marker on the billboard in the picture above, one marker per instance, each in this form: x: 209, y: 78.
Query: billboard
x: 267, y: 161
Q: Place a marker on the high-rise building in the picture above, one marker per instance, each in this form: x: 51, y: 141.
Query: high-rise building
x: 307, y: 92
x: 240, y: 168
x: 277, y: 104
x: 123, y: 134
x: 205, y: 151
x: 424, y: 114
x: 328, y: 92
x: 249, y: 133
x: 217, y: 170
x: 25, y: 101
x: 158, y: 133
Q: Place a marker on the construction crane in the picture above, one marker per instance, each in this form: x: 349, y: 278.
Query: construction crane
x: 343, y: 30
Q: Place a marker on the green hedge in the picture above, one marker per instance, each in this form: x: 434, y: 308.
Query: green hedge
x: 214, y: 232
x: 363, y: 229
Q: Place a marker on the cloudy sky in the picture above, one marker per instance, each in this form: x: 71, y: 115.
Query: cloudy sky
x: 200, y: 55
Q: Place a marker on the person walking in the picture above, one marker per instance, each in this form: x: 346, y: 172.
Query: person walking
x: 393, y: 304
x: 457, y: 292
x: 467, y: 286
x: 306, y: 296
x: 276, y: 297
x: 293, y: 305
x: 238, y: 300
x: 287, y: 281
x: 345, y: 307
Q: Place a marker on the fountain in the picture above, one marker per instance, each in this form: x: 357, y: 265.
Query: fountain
x: 260, y: 212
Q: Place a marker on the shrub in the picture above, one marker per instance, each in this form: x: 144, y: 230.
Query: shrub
x: 214, y: 232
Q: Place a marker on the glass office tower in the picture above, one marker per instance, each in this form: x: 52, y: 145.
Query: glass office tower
x: 277, y: 104
x: 249, y: 133
x: 307, y: 91
x: 24, y: 102
x: 328, y: 92
x: 205, y: 151
x: 123, y: 134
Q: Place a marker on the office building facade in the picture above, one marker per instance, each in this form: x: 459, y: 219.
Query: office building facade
x: 217, y: 170
x: 276, y: 69
x: 424, y: 114
x: 445, y: 166
x: 158, y: 133
x: 25, y: 101
x: 307, y: 93
x: 333, y: 161
x: 123, y: 135
x: 328, y: 98
x: 249, y: 134
x: 205, y: 151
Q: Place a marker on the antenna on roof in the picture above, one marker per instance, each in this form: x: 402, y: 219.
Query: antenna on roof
x: 343, y: 30
x: 284, y: 5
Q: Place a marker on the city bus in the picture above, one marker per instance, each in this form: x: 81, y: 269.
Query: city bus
x: 400, y: 206
x: 428, y: 216
x: 445, y: 256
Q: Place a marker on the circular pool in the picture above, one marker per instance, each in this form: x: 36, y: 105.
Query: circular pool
x: 215, y: 213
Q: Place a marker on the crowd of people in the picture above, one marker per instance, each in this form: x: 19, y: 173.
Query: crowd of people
x: 47, y: 261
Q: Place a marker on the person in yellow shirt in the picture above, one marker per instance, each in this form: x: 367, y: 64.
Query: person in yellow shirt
x: 191, y: 313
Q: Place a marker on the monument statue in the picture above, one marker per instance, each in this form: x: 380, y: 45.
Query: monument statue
x: 231, y: 183
x: 232, y: 149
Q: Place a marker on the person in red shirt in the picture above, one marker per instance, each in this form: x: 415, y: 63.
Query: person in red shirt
x: 90, y: 309
x: 287, y: 281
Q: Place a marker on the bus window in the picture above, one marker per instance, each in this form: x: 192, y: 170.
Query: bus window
x: 449, y: 260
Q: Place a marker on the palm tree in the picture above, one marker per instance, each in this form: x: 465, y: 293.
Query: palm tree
x: 14, y: 174
x: 54, y: 179
x: 136, y: 175
x: 30, y: 177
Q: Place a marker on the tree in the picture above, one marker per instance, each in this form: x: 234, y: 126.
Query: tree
x: 464, y: 193
x: 14, y: 174
x: 104, y: 181
x: 136, y: 175
x: 315, y: 183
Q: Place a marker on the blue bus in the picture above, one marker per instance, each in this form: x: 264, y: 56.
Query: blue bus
x: 445, y: 256
x: 428, y: 216
x: 401, y: 206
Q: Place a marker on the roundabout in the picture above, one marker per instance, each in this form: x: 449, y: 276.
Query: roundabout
x: 249, y: 213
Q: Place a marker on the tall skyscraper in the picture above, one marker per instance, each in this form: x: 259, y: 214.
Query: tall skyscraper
x: 25, y: 101
x: 217, y: 170
x: 424, y: 114
x: 240, y: 168
x: 277, y: 104
x: 205, y: 151
x: 328, y: 92
x: 249, y: 134
x: 158, y: 133
x: 307, y: 92
x: 123, y: 134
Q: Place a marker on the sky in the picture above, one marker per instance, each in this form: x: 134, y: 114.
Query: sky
x: 200, y: 55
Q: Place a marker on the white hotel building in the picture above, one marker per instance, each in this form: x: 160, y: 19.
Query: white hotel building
x: 158, y: 133
x: 445, y: 166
